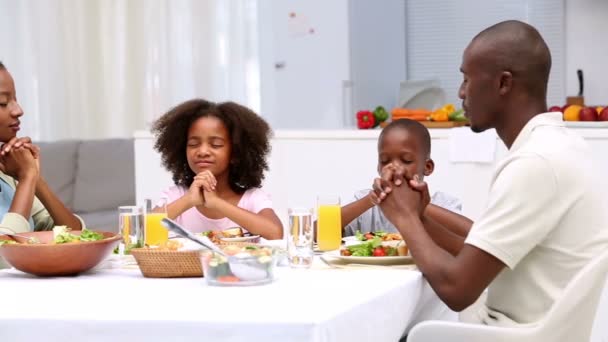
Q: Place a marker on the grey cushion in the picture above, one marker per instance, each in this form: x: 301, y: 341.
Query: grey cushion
x: 58, y: 167
x: 106, y: 221
x: 106, y: 175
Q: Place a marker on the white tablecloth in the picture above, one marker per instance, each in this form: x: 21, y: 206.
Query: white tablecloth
x: 318, y: 304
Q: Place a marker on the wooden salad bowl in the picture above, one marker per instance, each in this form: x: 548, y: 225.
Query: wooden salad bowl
x: 49, y: 259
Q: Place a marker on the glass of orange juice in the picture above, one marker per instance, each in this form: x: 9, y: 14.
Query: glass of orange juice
x: 329, y: 223
x: 156, y: 234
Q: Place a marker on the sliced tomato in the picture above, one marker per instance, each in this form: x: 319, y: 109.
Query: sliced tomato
x: 369, y: 236
x: 379, y: 252
x: 228, y: 279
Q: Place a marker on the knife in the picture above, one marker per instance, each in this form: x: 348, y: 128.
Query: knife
x: 579, y: 73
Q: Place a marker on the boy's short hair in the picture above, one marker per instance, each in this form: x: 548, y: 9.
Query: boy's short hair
x: 2, y: 67
x: 414, y: 127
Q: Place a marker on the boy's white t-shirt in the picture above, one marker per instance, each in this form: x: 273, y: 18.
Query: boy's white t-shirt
x: 373, y: 219
x: 545, y: 219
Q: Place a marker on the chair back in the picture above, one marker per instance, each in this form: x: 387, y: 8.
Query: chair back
x: 570, y: 318
x: 572, y: 315
x: 599, y: 333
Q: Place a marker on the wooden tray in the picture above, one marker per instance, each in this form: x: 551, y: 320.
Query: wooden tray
x: 443, y: 124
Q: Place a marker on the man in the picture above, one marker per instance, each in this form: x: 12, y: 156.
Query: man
x: 545, y: 218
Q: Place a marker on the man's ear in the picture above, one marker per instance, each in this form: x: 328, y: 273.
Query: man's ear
x: 506, y: 82
x: 429, y: 166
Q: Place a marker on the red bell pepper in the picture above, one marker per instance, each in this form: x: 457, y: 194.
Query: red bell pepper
x: 365, y: 119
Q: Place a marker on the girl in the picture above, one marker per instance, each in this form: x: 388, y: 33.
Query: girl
x: 26, y: 201
x: 217, y: 156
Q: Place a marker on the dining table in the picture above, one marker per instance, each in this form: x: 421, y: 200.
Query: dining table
x: 117, y: 303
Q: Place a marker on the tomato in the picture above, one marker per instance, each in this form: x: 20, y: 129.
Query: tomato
x: 369, y: 236
x: 390, y: 251
x: 379, y: 252
x: 228, y: 279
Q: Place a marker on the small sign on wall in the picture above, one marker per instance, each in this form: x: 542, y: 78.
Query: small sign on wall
x: 298, y: 25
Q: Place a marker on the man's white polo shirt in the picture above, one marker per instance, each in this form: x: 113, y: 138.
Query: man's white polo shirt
x: 545, y: 219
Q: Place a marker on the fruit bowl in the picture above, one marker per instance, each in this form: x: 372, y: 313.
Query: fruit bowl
x: 49, y: 259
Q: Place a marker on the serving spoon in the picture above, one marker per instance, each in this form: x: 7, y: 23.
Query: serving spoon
x: 32, y: 240
x: 200, y: 239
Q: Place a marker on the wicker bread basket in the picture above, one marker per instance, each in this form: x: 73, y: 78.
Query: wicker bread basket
x: 158, y: 263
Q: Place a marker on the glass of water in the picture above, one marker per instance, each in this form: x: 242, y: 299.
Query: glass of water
x: 131, y: 227
x: 300, y: 237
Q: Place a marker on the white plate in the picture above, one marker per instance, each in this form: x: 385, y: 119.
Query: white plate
x: 387, y: 260
x: 351, y: 240
x: 587, y: 124
x: 242, y: 238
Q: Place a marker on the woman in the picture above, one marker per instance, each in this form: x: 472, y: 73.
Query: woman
x: 26, y: 201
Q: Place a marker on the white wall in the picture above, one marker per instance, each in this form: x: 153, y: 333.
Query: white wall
x: 377, y: 53
x: 312, y: 49
x: 587, y: 49
x: 354, y: 59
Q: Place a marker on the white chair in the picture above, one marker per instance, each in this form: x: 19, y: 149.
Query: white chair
x: 569, y: 319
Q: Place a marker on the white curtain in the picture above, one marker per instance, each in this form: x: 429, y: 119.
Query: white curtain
x: 106, y: 68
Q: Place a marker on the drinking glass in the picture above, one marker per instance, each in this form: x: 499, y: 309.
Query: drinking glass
x: 131, y: 228
x: 156, y: 234
x: 300, y: 237
x: 329, y: 225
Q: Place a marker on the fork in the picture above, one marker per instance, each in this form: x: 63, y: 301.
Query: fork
x: 354, y: 265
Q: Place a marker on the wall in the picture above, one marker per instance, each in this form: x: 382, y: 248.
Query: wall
x: 377, y: 53
x: 587, y: 48
x: 304, y: 62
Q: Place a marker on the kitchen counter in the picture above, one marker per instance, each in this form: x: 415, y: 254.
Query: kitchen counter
x: 307, y: 163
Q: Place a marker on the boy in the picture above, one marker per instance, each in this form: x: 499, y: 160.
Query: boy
x: 405, y: 144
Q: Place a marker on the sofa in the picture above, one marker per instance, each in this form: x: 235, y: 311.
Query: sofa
x: 92, y: 177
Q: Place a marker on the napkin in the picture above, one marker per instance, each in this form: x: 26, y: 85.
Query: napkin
x: 114, y: 261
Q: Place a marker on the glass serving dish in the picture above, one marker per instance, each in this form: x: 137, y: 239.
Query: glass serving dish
x: 242, y: 266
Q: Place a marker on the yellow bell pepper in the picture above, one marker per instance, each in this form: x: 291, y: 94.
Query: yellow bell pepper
x: 439, y: 115
x: 449, y: 108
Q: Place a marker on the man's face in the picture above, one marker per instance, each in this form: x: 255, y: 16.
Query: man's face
x: 478, y: 91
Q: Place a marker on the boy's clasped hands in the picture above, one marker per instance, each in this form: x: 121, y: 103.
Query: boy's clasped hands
x: 398, y: 194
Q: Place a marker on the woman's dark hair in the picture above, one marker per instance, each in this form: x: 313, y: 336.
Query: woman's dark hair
x: 249, y: 137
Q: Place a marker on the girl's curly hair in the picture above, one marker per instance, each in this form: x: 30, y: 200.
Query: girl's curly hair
x: 249, y: 138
